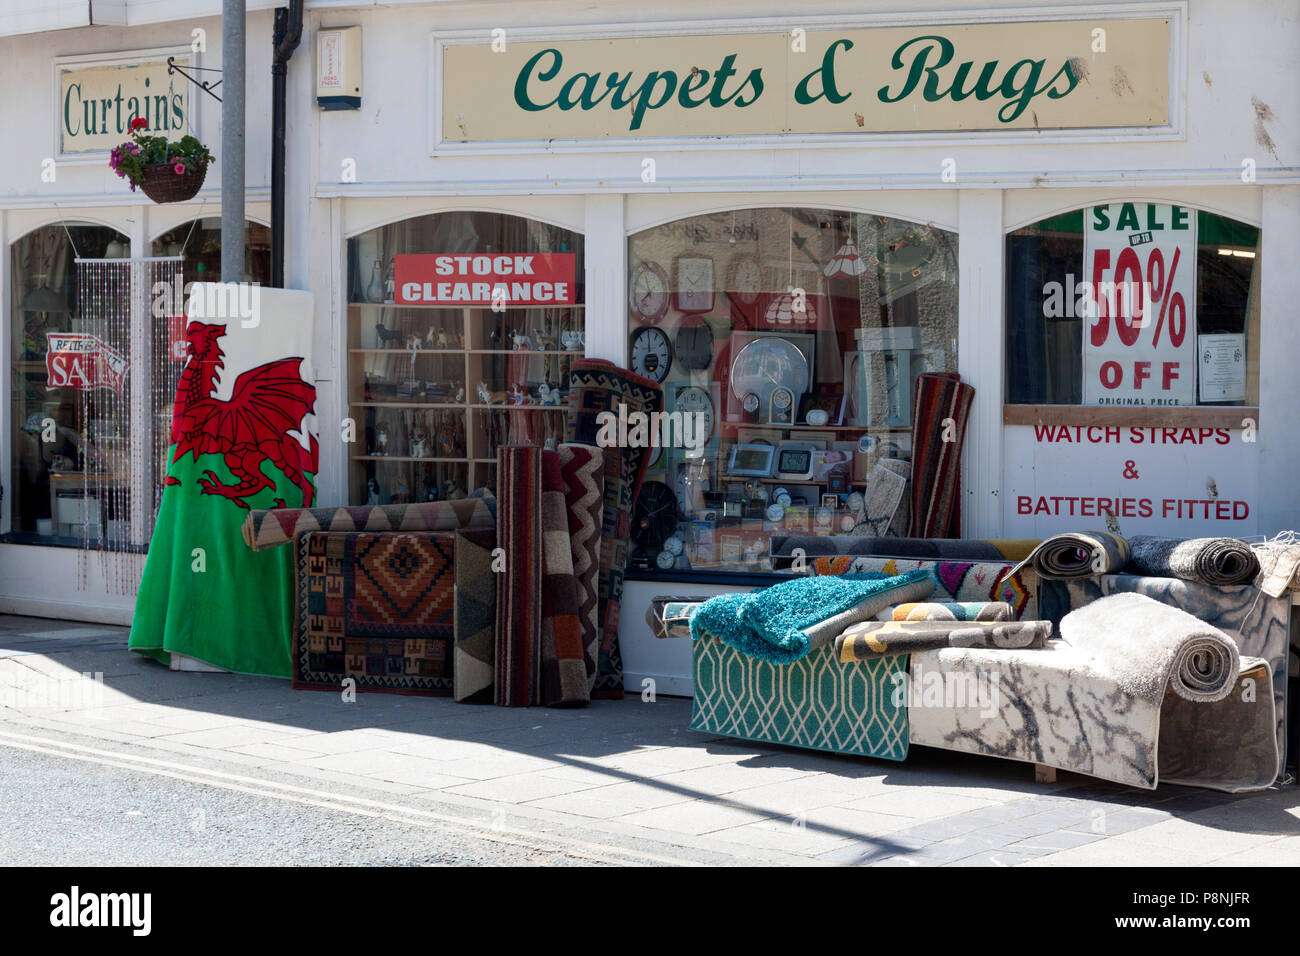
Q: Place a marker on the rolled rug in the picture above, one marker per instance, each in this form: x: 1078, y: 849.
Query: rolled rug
x: 953, y: 611
x: 671, y: 616
x: 1079, y: 554
x: 869, y: 640
x: 1145, y: 646
x: 1219, y: 562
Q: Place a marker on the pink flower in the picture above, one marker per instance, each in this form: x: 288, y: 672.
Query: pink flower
x: 179, y: 168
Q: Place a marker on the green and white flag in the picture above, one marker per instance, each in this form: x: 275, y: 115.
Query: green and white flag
x: 243, y: 436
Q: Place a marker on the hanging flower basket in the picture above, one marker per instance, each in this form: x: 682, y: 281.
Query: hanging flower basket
x: 162, y: 183
x: 167, y: 172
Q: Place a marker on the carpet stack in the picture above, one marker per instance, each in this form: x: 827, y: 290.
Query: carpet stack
x: 941, y: 406
x: 597, y: 386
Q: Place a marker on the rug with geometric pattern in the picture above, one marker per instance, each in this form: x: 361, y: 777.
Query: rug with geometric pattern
x: 816, y: 702
x: 376, y: 607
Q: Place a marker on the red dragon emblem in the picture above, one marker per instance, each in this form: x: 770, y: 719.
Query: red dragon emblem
x: 252, y: 427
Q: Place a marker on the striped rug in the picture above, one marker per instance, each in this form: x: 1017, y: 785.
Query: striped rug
x: 563, y: 656
x: 519, y: 585
x: 940, y: 409
x: 582, y: 467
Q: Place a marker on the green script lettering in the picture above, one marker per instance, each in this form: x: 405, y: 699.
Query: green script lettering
x: 826, y: 74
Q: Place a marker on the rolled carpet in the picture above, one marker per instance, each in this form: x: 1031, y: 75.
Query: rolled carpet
x: 1219, y: 562
x: 1079, y: 554
x: 931, y: 549
x: 517, y: 663
x: 941, y: 404
x: 1148, y: 646
x: 671, y: 616
x: 564, y: 663
x: 869, y: 640
x: 954, y: 611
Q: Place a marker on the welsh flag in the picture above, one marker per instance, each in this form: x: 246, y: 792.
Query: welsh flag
x: 242, y: 437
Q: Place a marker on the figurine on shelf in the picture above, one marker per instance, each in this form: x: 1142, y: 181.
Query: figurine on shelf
x: 430, y: 338
x: 419, y: 442
x: 460, y: 395
x: 545, y: 342
x: 571, y: 339
x: 372, y: 491
x: 444, y: 342
x: 381, y: 439
x: 430, y: 488
x: 524, y: 341
x: 452, y: 490
x: 519, y: 395
x: 386, y: 336
x: 547, y: 394
x: 488, y: 397
x: 413, y: 342
x: 401, y: 495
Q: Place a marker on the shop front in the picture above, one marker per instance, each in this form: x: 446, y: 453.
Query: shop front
x: 785, y: 225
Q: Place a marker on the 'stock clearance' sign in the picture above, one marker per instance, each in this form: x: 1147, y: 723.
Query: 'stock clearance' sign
x: 1139, y: 341
x: 534, y: 278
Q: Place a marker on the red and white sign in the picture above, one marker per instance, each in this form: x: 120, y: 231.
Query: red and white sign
x: 511, y: 279
x: 1139, y: 337
x: 84, y: 362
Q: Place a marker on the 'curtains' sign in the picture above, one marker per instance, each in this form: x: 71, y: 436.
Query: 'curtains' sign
x: 98, y: 101
x: 1044, y: 75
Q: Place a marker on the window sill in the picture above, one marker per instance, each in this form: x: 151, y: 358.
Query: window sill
x: 1213, y: 416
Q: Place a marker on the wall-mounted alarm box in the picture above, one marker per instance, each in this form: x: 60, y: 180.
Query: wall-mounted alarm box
x: 338, y: 68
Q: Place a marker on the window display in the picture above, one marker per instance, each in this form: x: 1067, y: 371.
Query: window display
x: 461, y: 330
x: 1133, y: 304
x: 789, y: 339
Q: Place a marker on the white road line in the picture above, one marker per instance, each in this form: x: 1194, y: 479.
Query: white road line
x: 362, y: 806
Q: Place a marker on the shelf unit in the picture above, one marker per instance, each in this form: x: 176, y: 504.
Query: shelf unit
x: 395, y: 393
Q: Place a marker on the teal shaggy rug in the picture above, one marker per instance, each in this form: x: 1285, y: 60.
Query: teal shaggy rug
x: 782, y: 623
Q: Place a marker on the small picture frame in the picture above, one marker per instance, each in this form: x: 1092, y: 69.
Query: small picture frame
x: 751, y: 461
x: 828, y: 402
x: 830, y: 501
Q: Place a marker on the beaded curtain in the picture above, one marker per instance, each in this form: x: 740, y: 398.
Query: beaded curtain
x: 134, y: 310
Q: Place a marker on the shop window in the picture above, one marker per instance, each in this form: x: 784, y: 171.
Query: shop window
x: 1133, y: 305
x: 461, y: 330
x: 793, y: 336
x: 52, y: 426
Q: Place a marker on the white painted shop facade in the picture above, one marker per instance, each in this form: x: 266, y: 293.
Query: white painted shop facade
x: 1226, y: 147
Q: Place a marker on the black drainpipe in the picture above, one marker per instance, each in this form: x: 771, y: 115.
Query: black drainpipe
x: 287, y: 34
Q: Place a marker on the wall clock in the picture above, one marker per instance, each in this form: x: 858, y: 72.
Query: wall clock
x: 749, y: 407
x: 765, y: 361
x: 693, y: 346
x: 651, y: 353
x: 655, y: 516
x: 648, y: 292
x: 694, y: 291
x: 746, y: 280
x: 693, y: 400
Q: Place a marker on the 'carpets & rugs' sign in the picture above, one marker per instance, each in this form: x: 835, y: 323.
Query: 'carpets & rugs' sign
x: 1041, y: 75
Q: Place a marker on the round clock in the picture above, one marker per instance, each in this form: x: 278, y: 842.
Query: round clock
x: 782, y: 405
x: 906, y: 249
x: 694, y: 400
x: 782, y: 497
x: 766, y: 361
x: 775, y: 512
x: 746, y: 279
x: 818, y: 417
x: 694, y: 346
x: 749, y: 406
x: 666, y: 560
x: 652, y: 353
x: 848, y: 523
x: 655, y: 516
x: 674, y: 545
x: 648, y: 292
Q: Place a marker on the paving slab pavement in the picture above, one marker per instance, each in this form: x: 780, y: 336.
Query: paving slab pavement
x: 625, y: 777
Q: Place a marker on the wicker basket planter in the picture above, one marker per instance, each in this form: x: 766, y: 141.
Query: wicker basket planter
x: 161, y: 183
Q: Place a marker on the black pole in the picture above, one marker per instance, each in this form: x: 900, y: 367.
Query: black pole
x: 285, y: 39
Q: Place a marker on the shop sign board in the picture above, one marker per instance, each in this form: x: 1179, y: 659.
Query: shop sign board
x: 1102, y: 73
x: 1139, y: 306
x: 486, y: 279
x: 1174, y: 480
x: 83, y: 362
x: 98, y: 99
